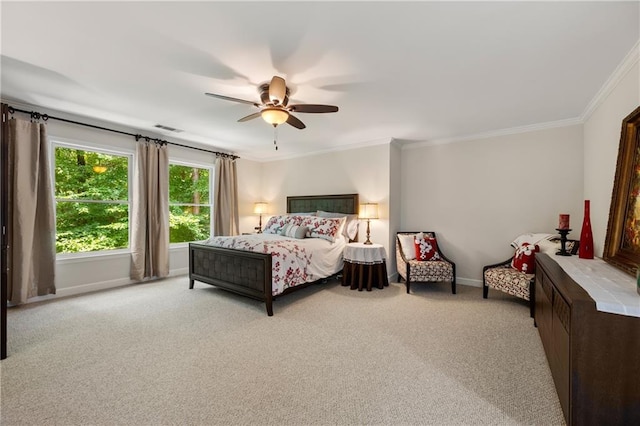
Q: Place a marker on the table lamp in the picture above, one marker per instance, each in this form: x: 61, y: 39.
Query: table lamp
x: 259, y: 208
x: 368, y: 211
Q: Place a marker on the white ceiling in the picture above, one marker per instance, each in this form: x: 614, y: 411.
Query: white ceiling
x: 414, y: 71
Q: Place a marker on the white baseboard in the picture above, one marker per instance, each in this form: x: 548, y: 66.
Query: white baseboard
x: 105, y: 285
x: 178, y: 272
x: 97, y: 286
x: 469, y: 282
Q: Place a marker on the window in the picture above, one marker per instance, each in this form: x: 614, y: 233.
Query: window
x: 92, y: 199
x: 189, y: 203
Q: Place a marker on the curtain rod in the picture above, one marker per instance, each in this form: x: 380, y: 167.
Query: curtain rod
x: 37, y: 116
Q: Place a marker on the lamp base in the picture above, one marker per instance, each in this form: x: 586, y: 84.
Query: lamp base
x: 368, y: 242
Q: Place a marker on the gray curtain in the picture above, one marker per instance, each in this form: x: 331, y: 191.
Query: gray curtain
x: 32, y: 252
x: 150, y: 213
x: 225, y: 201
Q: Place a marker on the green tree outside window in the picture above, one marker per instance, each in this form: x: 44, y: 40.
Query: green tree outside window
x: 92, y: 200
x: 189, y: 203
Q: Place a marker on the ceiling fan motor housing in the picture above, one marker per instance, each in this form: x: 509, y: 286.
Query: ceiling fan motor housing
x: 264, y: 95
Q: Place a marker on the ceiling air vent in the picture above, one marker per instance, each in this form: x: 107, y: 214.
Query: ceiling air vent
x: 167, y: 128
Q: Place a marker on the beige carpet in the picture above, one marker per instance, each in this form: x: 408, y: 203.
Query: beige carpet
x: 159, y: 353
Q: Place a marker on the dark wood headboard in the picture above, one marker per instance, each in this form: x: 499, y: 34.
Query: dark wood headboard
x: 343, y: 203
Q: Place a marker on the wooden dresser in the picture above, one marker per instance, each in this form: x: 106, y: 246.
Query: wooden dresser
x: 594, y: 356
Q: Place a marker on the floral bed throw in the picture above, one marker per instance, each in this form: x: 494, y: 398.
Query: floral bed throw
x: 291, y: 258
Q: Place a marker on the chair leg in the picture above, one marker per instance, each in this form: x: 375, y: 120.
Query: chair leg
x: 453, y: 280
x: 485, y: 290
x: 408, y: 282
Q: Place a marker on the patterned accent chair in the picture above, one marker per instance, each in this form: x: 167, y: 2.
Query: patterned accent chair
x: 502, y: 276
x: 412, y: 270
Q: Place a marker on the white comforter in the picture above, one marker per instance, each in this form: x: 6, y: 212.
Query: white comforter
x: 294, y: 261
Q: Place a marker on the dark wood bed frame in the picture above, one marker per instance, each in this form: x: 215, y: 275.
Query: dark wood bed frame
x: 249, y: 273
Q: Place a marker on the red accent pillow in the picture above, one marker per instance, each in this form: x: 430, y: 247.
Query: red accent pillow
x: 524, y: 259
x: 426, y: 248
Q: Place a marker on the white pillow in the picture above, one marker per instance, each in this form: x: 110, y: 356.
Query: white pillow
x: 407, y: 245
x: 550, y: 247
x: 531, y: 238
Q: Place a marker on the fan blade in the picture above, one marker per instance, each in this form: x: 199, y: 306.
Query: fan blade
x: 250, y: 117
x: 277, y: 90
x: 295, y: 122
x: 313, y: 108
x: 227, y: 98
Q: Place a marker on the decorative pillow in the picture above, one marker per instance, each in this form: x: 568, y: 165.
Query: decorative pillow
x: 524, y: 259
x: 351, y: 224
x: 294, y: 231
x: 275, y: 224
x: 426, y: 248
x: 295, y: 219
x: 407, y: 245
x: 323, y: 227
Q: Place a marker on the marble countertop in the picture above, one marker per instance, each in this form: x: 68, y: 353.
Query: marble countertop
x: 613, y: 290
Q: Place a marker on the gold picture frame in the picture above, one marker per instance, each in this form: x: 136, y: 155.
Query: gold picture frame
x: 622, y: 243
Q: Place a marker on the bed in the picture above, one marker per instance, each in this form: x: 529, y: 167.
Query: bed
x: 245, y: 264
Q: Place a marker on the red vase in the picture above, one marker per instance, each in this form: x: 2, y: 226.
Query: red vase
x: 585, y: 250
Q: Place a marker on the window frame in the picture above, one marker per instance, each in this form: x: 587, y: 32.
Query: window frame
x: 55, y: 142
x: 199, y: 165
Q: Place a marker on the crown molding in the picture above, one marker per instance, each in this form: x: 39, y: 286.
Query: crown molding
x: 365, y: 144
x: 614, y: 79
x: 496, y: 133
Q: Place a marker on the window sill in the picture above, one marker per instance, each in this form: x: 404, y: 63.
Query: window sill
x: 97, y: 255
x: 83, y: 257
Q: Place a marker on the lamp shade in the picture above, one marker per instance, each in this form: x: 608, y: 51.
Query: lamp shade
x: 274, y: 115
x: 259, y: 208
x: 369, y: 211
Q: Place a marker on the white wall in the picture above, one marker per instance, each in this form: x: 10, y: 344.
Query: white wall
x: 395, y: 204
x: 478, y: 195
x: 365, y: 171
x: 249, y: 192
x: 601, y: 142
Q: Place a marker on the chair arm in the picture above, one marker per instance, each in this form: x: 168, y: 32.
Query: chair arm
x: 495, y: 265
x: 401, y: 261
x: 445, y: 258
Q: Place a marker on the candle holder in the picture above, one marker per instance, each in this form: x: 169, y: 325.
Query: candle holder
x: 563, y: 242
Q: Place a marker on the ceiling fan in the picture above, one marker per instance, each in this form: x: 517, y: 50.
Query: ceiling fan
x: 274, y: 105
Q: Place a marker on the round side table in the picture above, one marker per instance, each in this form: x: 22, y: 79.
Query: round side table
x: 364, y: 266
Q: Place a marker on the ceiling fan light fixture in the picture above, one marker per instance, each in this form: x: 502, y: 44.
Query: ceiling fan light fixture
x: 274, y: 116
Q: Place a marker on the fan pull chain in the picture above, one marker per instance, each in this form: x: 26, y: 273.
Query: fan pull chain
x: 275, y: 136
